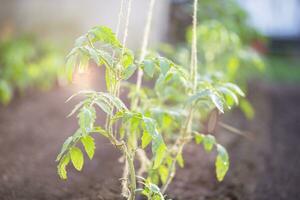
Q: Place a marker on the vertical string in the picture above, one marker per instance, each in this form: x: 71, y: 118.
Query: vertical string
x: 144, y: 49
x: 125, y: 35
x: 120, y: 17
x: 194, y: 59
x: 126, y: 191
x: 126, y: 25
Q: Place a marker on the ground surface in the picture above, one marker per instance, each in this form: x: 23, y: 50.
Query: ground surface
x: 33, y: 128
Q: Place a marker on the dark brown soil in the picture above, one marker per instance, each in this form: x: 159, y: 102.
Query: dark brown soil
x: 32, y: 129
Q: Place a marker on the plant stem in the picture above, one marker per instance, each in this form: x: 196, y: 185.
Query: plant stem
x: 132, y: 185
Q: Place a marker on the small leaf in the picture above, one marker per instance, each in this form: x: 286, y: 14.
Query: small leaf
x: 105, y: 57
x: 98, y: 129
x: 198, y: 95
x: 163, y: 173
x: 127, y: 58
x: 199, y: 138
x: 103, y: 105
x: 222, y: 162
x: 114, y: 100
x: 149, y: 67
x: 64, y: 148
x: 216, y: 99
x: 180, y: 160
x: 247, y: 109
x: 81, y: 41
x: 61, y: 168
x: 93, y: 53
x: 229, y: 93
x: 235, y: 88
x: 76, y: 108
x: 164, y: 65
x: 158, y: 145
x: 154, y: 188
x: 77, y: 135
x: 146, y: 139
x: 208, y: 142
x: 86, y: 118
x: 104, y: 35
x: 70, y: 67
x: 129, y: 71
x: 84, y: 92
x: 77, y: 158
x: 149, y: 126
x: 89, y: 145
x: 159, y: 154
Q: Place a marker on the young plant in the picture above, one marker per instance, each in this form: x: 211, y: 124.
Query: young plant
x: 179, y: 100
x: 27, y: 62
x: 164, y: 116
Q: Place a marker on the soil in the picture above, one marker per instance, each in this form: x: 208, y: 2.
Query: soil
x: 32, y: 129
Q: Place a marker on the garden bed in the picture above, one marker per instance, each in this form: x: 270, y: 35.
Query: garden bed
x: 33, y: 128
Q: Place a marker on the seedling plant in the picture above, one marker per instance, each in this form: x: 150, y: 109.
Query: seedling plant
x: 164, y: 118
x: 27, y: 62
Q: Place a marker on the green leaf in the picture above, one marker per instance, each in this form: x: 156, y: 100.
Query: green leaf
x: 61, y: 168
x: 127, y: 58
x: 149, y: 125
x: 64, y: 148
x: 98, y: 129
x: 216, y: 99
x: 208, y: 142
x: 222, y: 162
x: 159, y: 148
x: 104, y: 35
x: 146, y: 139
x: 77, y: 158
x: 164, y: 65
x: 70, y: 67
x: 198, y: 95
x: 89, y: 145
x: 103, y: 105
x: 93, y: 53
x: 154, y: 188
x: 163, y: 173
x: 199, y: 137
x: 83, y: 62
x: 86, y: 118
x: 149, y: 67
x: 180, y: 159
x: 247, y: 108
x: 235, y: 88
x: 77, y: 135
x: 105, y: 58
x: 129, y: 71
x: 84, y: 92
x: 158, y: 145
x: 229, y: 93
x: 114, y: 100
x: 81, y: 41
x: 76, y: 108
x: 73, y: 53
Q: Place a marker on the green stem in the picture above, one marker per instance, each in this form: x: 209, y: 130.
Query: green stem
x: 132, y: 185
